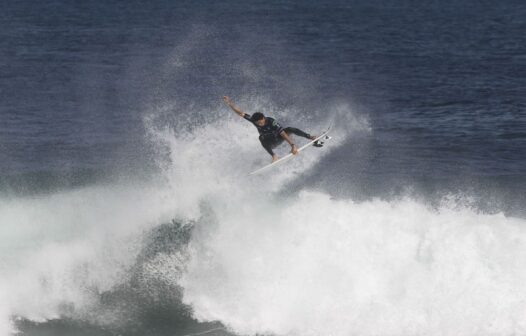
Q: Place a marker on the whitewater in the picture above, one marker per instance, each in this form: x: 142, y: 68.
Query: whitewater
x: 256, y: 256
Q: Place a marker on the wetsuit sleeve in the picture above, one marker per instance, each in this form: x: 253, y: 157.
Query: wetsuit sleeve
x: 247, y: 117
x: 276, y: 127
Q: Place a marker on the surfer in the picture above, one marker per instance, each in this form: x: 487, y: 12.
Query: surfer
x: 271, y: 134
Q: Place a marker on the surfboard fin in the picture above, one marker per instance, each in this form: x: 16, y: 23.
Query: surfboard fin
x: 320, y: 143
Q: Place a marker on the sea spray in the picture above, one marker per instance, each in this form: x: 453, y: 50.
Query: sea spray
x: 64, y: 252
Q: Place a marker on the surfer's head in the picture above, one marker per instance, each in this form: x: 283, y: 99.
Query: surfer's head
x: 258, y: 118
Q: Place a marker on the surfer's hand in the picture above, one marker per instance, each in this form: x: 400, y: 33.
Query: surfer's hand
x: 274, y: 158
x: 293, y: 149
x: 227, y: 100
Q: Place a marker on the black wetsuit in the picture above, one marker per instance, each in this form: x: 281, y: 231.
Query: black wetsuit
x: 269, y: 134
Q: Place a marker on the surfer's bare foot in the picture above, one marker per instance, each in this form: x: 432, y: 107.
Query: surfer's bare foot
x: 274, y: 158
x: 312, y: 137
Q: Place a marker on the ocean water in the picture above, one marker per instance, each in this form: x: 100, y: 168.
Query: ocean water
x: 125, y: 205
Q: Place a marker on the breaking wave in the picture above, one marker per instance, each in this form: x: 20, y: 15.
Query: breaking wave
x: 204, y: 240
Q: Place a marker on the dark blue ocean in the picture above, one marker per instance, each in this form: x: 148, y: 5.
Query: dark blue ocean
x: 125, y: 205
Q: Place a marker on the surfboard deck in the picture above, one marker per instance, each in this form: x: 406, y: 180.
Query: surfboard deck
x: 290, y: 155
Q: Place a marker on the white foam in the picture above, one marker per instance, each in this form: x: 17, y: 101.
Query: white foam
x: 6, y: 326
x: 319, y: 266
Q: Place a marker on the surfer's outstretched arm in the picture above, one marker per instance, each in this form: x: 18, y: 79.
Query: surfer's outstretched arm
x: 229, y: 103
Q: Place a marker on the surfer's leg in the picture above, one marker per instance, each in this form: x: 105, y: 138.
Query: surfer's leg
x: 297, y: 131
x: 267, y: 142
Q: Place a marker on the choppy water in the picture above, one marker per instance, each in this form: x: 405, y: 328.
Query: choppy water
x: 125, y: 208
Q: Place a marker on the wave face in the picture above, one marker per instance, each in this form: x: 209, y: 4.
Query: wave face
x: 61, y: 251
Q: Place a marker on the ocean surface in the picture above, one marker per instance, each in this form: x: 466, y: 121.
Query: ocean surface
x: 125, y: 205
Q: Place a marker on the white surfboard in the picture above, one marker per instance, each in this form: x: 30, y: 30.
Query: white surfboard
x: 290, y: 155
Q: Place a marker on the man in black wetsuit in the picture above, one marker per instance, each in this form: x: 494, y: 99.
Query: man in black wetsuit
x: 271, y: 134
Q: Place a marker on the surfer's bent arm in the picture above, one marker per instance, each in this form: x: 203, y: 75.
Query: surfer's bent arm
x: 285, y: 136
x: 233, y: 107
x: 293, y: 148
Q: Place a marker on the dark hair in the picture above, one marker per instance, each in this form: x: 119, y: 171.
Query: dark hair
x: 257, y: 116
